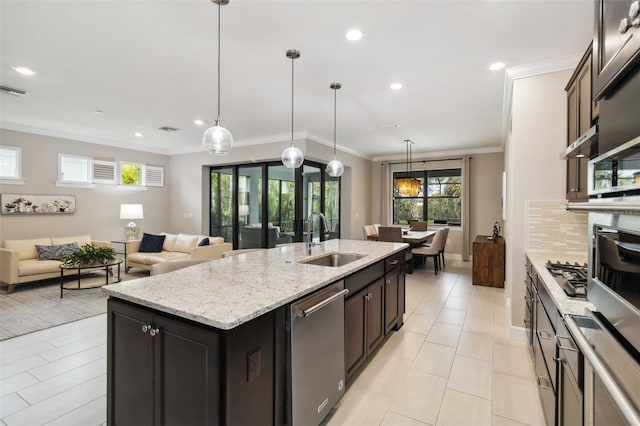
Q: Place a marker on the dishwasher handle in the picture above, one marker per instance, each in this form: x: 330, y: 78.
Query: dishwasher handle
x: 320, y: 305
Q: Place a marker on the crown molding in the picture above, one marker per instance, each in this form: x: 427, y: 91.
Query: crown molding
x: 530, y: 70
x: 339, y: 147
x: 426, y: 156
x: 81, y: 138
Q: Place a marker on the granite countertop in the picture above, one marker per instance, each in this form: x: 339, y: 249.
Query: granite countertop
x: 227, y: 292
x: 567, y: 305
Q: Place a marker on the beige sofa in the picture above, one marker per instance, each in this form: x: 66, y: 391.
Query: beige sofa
x: 19, y: 262
x: 176, y: 247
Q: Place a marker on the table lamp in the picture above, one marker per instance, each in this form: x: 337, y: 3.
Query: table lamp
x: 131, y: 212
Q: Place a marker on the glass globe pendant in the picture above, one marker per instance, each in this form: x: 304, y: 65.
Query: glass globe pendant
x: 292, y: 157
x: 216, y: 139
x: 335, y: 168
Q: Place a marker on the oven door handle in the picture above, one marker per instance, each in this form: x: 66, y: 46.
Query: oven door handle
x: 625, y: 406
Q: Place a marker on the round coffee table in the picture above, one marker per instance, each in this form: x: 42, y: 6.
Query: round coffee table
x: 99, y: 266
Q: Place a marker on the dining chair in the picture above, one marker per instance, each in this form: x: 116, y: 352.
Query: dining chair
x: 369, y: 233
x: 393, y: 234
x: 444, y: 244
x: 432, y: 251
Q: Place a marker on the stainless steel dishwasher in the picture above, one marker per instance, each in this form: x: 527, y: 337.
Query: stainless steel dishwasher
x: 317, y: 354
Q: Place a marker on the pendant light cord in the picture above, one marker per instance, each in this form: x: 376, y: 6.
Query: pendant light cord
x: 335, y: 107
x: 292, y: 61
x: 218, y: 118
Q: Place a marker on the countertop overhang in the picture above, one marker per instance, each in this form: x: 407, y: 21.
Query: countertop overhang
x: 225, y: 293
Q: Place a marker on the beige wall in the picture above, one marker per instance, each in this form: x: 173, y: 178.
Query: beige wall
x: 485, y: 182
x: 534, y: 171
x: 97, y: 209
x: 189, y: 184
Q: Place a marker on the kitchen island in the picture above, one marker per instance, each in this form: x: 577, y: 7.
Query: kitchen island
x: 209, y: 344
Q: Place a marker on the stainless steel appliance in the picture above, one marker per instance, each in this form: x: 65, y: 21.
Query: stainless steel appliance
x: 617, y: 172
x: 572, y: 278
x: 316, y: 339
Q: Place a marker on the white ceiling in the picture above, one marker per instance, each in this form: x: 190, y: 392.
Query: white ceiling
x: 149, y: 64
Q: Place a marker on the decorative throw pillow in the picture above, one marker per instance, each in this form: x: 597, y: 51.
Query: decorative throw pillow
x: 55, y: 252
x: 203, y: 242
x: 151, y: 243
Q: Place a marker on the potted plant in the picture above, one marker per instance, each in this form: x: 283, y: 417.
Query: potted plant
x: 89, y: 255
x: 11, y: 207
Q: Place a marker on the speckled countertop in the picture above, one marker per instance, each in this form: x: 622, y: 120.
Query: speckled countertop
x: 225, y: 293
x: 566, y: 305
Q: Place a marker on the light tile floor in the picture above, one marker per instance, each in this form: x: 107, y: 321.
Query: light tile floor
x: 451, y: 364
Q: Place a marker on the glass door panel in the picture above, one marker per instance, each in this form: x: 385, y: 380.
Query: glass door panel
x: 311, y: 184
x: 281, y: 197
x: 221, y: 221
x: 332, y: 206
x: 250, y: 233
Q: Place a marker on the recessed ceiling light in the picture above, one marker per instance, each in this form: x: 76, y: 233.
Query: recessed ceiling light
x: 97, y: 111
x: 138, y: 134
x: 353, y: 35
x: 496, y: 66
x: 395, y: 86
x: 23, y: 70
x: 198, y: 122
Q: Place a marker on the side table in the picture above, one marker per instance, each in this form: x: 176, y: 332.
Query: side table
x: 122, y: 251
x: 488, y: 261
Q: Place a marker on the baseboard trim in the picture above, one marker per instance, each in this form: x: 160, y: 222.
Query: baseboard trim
x: 518, y: 333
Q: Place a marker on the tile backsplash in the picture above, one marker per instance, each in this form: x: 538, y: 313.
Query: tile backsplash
x: 554, y: 231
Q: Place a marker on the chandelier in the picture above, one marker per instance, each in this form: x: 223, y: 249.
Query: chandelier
x: 409, y: 185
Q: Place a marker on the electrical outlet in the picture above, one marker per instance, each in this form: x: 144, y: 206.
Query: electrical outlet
x: 254, y: 364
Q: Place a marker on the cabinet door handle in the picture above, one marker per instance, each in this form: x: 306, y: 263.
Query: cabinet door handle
x: 634, y: 9
x: 624, y: 25
x: 393, y: 262
x: 544, y: 334
x: 154, y: 331
x: 540, y: 380
x: 564, y: 348
x: 146, y: 328
x: 635, y: 23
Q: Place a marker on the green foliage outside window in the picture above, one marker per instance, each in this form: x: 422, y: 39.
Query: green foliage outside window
x: 131, y: 174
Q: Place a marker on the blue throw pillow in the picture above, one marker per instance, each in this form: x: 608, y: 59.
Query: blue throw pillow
x: 55, y: 252
x: 203, y: 242
x: 151, y: 243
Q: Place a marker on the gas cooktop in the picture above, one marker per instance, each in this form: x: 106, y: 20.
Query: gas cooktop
x: 572, y: 278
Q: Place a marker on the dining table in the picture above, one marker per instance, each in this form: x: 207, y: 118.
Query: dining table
x: 417, y: 237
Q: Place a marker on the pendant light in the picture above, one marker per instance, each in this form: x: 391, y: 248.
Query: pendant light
x: 216, y: 139
x: 292, y: 157
x: 409, y: 185
x: 335, y: 168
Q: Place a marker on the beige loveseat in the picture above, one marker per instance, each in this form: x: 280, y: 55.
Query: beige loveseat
x: 176, y: 247
x: 19, y: 259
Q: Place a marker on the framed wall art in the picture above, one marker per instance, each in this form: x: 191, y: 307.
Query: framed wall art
x: 29, y: 204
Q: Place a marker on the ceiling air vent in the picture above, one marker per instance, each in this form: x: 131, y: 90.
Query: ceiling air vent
x: 168, y: 129
x: 11, y: 91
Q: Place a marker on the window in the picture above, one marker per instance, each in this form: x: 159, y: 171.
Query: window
x: 440, y: 192
x: 10, y: 162
x: 74, y: 169
x: 132, y: 174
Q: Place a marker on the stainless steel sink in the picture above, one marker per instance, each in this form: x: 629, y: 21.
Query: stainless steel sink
x: 333, y: 259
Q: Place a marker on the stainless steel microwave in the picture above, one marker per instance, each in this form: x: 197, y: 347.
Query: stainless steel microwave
x: 617, y: 172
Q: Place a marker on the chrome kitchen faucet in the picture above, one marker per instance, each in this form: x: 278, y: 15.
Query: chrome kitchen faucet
x: 310, y: 229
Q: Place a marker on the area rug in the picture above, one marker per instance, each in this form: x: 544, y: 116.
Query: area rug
x: 36, y: 306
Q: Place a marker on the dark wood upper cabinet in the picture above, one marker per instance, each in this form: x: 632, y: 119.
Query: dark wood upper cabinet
x: 581, y: 114
x: 616, y: 43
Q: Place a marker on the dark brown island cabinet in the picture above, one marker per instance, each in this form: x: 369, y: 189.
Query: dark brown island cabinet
x: 488, y: 261
x: 166, y: 370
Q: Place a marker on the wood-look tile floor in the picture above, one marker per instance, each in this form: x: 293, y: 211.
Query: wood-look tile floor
x: 451, y: 364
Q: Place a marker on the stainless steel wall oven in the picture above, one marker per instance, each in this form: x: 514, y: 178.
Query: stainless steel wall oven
x: 609, y: 339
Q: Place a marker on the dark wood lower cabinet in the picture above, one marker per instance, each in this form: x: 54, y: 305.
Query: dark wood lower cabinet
x: 163, y: 370
x: 371, y: 314
x: 160, y: 370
